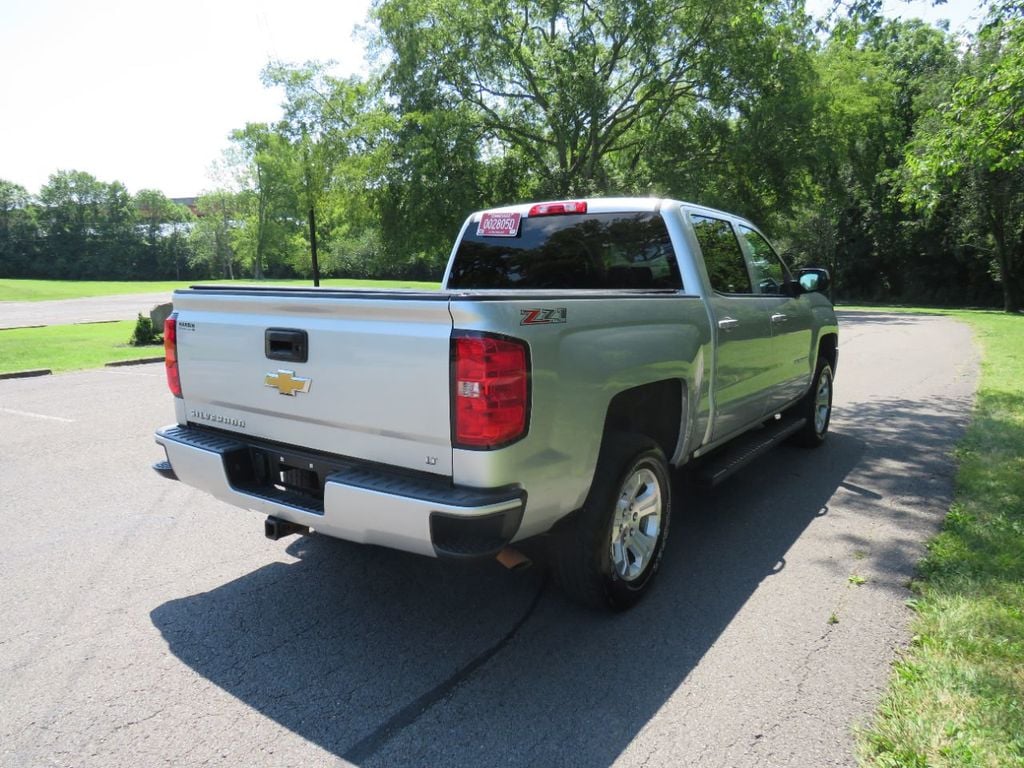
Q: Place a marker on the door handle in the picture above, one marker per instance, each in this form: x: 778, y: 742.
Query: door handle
x: 779, y: 318
x: 728, y: 323
x: 286, y: 344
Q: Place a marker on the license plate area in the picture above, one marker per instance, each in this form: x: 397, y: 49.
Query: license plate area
x: 289, y: 473
x: 290, y: 477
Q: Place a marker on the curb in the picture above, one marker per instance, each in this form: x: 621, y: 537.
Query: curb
x: 139, y: 361
x: 26, y: 374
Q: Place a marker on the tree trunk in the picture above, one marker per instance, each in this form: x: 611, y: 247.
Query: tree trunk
x: 1011, y: 294
x: 1004, y: 257
x: 312, y: 246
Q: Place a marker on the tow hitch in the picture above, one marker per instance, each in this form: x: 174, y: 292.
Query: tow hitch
x: 275, y: 528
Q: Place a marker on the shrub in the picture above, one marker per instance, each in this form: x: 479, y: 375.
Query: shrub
x: 144, y: 334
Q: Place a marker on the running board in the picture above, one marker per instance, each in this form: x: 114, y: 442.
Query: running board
x: 731, y: 458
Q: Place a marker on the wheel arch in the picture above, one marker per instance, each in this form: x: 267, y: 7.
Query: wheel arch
x: 828, y: 347
x: 654, y: 410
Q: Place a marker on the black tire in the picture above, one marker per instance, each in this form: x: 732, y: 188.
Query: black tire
x: 816, y: 407
x: 591, y: 566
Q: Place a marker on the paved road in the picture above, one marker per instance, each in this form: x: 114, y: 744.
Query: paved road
x: 21, y: 314
x: 145, y: 624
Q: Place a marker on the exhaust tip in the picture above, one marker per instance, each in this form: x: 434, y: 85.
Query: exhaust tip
x: 513, y: 559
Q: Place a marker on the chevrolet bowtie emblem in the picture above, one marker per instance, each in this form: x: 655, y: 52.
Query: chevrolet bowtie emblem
x: 287, y: 383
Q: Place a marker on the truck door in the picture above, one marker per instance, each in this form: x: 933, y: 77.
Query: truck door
x: 790, y: 318
x: 743, y: 356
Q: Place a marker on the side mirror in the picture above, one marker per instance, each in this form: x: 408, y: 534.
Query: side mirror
x: 813, y: 280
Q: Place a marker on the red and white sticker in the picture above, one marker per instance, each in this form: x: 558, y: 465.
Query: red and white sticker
x: 498, y: 225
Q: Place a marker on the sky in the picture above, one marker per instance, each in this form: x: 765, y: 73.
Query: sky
x: 146, y: 93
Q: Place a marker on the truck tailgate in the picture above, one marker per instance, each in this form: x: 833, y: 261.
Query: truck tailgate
x: 375, y: 385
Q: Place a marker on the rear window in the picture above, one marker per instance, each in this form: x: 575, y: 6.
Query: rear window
x: 598, y: 251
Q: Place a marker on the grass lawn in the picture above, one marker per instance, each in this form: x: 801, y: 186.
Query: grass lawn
x: 956, y: 697
x: 67, y: 347
x: 48, y: 290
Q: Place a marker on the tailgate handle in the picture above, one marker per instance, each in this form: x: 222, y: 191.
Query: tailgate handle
x: 286, y: 344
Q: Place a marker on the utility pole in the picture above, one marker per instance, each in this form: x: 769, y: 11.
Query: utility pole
x: 312, y: 246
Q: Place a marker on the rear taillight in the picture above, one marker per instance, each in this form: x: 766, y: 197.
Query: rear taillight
x: 559, y: 208
x: 491, y: 391
x: 171, y: 353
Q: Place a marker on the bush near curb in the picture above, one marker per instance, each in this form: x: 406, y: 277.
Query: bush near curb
x: 144, y: 334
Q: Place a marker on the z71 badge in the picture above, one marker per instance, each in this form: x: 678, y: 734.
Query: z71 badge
x: 542, y: 316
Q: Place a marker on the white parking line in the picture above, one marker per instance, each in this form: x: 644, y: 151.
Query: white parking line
x: 37, y: 415
x: 132, y: 373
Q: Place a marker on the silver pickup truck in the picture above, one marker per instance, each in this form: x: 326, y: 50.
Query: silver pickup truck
x: 577, y: 351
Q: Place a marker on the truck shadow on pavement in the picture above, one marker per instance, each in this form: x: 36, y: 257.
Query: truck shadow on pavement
x: 867, y: 317
x: 384, y: 658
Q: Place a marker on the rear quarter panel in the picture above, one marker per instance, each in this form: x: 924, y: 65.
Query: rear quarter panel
x: 607, y: 344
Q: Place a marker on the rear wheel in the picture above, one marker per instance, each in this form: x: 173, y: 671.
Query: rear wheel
x: 608, y: 554
x: 816, y: 408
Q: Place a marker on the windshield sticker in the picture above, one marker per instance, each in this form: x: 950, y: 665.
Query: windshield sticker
x: 498, y: 225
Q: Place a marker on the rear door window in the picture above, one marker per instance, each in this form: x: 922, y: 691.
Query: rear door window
x: 770, y: 273
x: 591, y: 251
x: 727, y: 269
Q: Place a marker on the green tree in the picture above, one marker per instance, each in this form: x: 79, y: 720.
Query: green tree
x: 972, y: 145
x: 164, y: 252
x: 876, y: 79
x: 268, y: 172
x: 566, y: 86
x: 384, y: 186
x: 210, y: 239
x: 316, y: 118
x: 18, y: 232
x: 120, y: 249
x: 747, y: 144
x: 89, y: 228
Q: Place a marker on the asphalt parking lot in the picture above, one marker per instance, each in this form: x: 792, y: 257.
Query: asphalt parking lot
x: 147, y: 624
x: 92, y: 309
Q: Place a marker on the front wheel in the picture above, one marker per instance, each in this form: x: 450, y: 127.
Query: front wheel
x: 816, y: 408
x: 609, y: 553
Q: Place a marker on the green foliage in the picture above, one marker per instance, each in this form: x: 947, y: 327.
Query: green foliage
x: 578, y: 91
x: 144, y: 334
x: 878, y: 78
x: 210, y: 239
x: 888, y: 151
x: 970, y: 147
x: 81, y: 228
x: 164, y: 227
x: 269, y: 174
x: 18, y: 230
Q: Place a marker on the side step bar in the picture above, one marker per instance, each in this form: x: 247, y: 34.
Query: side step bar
x: 733, y: 457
